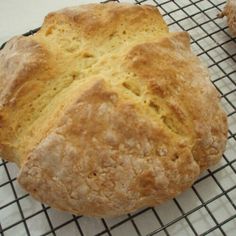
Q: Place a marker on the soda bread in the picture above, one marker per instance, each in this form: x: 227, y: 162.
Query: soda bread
x: 105, y: 111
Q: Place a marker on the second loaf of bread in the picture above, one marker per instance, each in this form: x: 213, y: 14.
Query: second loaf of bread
x: 105, y: 111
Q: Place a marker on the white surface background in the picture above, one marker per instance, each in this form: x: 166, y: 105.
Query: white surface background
x: 20, y: 16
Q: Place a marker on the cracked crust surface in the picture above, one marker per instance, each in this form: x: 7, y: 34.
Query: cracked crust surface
x: 116, y: 116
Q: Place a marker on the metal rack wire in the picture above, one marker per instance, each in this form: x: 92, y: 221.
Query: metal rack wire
x: 208, y: 208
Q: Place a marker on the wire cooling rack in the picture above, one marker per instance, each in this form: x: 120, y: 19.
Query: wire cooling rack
x: 208, y: 208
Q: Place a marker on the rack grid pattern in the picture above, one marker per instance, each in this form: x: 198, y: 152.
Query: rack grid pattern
x: 208, y: 208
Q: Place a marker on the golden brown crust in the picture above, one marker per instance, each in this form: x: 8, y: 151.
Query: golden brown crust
x: 104, y: 20
x: 104, y: 153
x: 126, y: 116
x: 194, y: 113
x: 21, y: 58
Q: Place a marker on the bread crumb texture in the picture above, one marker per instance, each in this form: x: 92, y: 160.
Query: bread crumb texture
x: 105, y: 111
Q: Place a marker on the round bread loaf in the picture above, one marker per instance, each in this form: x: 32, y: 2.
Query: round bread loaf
x: 105, y: 111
